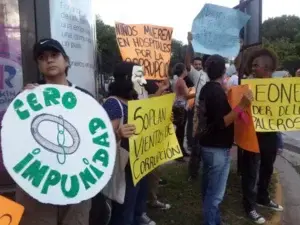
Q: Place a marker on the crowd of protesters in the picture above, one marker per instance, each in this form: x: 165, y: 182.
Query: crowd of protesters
x: 201, y: 113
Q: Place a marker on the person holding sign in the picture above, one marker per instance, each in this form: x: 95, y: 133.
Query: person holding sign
x: 215, y: 132
x: 180, y: 105
x: 262, y: 63
x: 53, y: 64
x: 122, y: 90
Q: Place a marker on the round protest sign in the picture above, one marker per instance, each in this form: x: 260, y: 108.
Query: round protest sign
x: 58, y: 144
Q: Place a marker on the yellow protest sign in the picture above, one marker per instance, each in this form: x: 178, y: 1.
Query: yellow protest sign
x: 155, y: 141
x: 276, y: 105
x: 146, y: 45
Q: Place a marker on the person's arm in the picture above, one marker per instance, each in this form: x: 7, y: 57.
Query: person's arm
x: 182, y: 88
x: 218, y: 105
x: 161, y: 88
x: 189, y: 52
x: 115, y: 114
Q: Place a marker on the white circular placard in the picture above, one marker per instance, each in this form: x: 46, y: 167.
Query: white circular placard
x: 58, y: 144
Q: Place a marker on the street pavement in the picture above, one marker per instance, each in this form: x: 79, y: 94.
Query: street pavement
x: 292, y: 141
x: 289, y: 178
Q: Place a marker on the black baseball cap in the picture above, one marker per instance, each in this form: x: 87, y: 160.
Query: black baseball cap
x: 46, y: 45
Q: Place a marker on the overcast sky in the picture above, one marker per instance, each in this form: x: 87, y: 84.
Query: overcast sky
x: 178, y: 15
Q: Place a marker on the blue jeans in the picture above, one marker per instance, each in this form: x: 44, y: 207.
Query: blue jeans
x: 130, y: 212
x: 216, y: 166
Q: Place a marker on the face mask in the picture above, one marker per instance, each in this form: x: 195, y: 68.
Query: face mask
x: 138, y: 80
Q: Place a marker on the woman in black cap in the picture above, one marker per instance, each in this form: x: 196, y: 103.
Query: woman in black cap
x: 215, y: 133
x: 53, y: 64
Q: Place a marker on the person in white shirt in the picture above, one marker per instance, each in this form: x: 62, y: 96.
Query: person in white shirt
x: 232, y: 73
x: 199, y: 78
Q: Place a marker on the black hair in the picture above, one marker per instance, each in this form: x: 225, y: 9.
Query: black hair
x: 122, y: 86
x: 204, y: 59
x: 263, y: 52
x: 215, y: 67
x: 124, y: 70
x: 197, y: 58
x: 178, y: 69
x: 189, y: 83
x: 67, y: 58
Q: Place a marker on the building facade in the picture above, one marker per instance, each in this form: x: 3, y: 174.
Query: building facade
x: 22, y: 23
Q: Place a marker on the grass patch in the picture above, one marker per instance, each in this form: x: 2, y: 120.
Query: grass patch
x: 185, y: 198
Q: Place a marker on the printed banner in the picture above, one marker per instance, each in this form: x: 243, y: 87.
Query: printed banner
x: 155, y: 141
x: 58, y: 144
x: 244, y: 133
x: 146, y: 45
x: 276, y: 105
x: 73, y: 24
x: 11, y: 76
x: 10, y: 212
x: 216, y: 30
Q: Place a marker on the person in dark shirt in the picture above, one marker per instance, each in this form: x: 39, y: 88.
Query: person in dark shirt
x: 53, y: 64
x: 216, y: 132
x: 262, y: 63
x: 133, y: 210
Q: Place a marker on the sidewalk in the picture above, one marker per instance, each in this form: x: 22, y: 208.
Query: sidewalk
x: 290, y: 182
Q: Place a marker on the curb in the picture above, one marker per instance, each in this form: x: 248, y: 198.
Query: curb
x: 276, y: 219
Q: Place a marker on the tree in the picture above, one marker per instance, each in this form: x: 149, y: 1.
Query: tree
x: 281, y: 27
x: 107, y: 46
x: 282, y: 35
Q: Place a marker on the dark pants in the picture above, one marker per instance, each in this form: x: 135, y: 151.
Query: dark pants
x: 189, y: 129
x: 257, y: 170
x: 195, y: 159
x: 134, y: 205
x: 180, y: 130
x: 194, y: 147
x: 100, y: 211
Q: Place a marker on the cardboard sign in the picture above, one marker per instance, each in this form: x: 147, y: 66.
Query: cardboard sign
x: 10, y: 212
x: 155, y: 141
x: 216, y: 30
x: 58, y: 144
x: 244, y: 133
x: 276, y: 105
x: 146, y: 45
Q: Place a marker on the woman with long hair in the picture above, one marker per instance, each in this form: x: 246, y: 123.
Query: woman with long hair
x: 126, y: 77
x: 180, y: 106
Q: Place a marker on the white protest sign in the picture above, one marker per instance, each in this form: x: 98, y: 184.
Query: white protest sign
x: 58, y: 144
x: 73, y: 25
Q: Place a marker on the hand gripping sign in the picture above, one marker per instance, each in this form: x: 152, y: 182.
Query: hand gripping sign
x: 58, y: 141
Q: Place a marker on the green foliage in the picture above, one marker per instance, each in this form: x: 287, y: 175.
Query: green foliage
x: 107, y: 46
x: 282, y: 35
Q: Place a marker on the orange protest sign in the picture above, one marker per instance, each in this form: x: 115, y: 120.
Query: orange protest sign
x: 10, y: 212
x: 147, y: 45
x: 244, y: 133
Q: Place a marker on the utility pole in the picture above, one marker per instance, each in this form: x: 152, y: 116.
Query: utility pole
x: 252, y: 31
x: 251, y: 36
